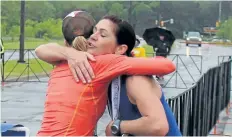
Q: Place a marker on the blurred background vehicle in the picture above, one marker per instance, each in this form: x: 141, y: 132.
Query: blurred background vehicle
x: 193, y: 37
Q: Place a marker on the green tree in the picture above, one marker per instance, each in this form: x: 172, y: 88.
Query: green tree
x: 154, y: 4
x: 97, y: 10
x: 56, y: 31
x: 65, y: 7
x: 50, y: 28
x: 29, y: 31
x: 10, y: 13
x: 3, y: 30
x: 30, y: 22
x: 142, y: 17
x: 141, y: 11
x: 14, y: 32
x: 225, y: 29
x: 42, y: 28
x: 140, y: 14
x: 189, y: 15
x: 116, y: 9
x: 39, y: 10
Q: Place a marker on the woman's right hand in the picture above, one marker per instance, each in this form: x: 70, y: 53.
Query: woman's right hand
x: 79, y: 65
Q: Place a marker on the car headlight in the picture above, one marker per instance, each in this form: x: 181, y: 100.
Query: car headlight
x: 187, y: 38
x: 200, y: 39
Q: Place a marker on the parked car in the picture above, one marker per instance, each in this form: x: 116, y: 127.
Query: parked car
x: 193, y: 38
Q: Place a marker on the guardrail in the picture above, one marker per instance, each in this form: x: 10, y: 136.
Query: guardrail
x: 197, y: 109
x: 32, y: 70
x: 188, y: 70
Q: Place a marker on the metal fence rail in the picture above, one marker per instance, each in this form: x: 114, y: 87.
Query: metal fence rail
x: 188, y: 70
x: 197, y: 109
x: 27, y: 73
x: 223, y: 58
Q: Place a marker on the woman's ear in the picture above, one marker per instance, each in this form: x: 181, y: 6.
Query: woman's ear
x: 121, y: 49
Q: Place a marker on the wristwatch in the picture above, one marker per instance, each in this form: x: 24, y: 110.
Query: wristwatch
x: 115, y: 128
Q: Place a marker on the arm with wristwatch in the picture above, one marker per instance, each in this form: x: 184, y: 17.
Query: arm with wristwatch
x: 153, y: 121
x: 115, y: 128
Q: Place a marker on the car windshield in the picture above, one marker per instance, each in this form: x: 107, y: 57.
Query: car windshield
x: 195, y: 34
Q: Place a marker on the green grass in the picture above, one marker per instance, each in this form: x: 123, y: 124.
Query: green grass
x: 15, y: 69
x: 28, y: 44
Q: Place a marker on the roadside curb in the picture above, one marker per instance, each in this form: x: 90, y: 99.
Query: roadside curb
x: 32, y: 78
x: 213, y: 43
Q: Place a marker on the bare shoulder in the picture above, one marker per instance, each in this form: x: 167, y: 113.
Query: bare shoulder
x: 147, y: 80
x: 142, y: 84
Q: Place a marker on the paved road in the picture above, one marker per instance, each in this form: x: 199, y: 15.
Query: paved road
x: 14, y: 54
x: 187, y: 70
x: 23, y: 102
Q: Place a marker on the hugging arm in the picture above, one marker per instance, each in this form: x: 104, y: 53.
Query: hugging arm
x: 116, y: 65
x: 53, y: 53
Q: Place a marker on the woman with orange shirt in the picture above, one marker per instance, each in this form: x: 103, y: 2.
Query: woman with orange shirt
x: 73, y: 109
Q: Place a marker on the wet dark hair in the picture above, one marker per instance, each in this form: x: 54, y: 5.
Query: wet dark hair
x: 124, y: 32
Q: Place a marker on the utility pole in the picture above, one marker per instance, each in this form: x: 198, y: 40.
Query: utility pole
x: 22, y: 22
x: 130, y: 12
x: 220, y: 11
